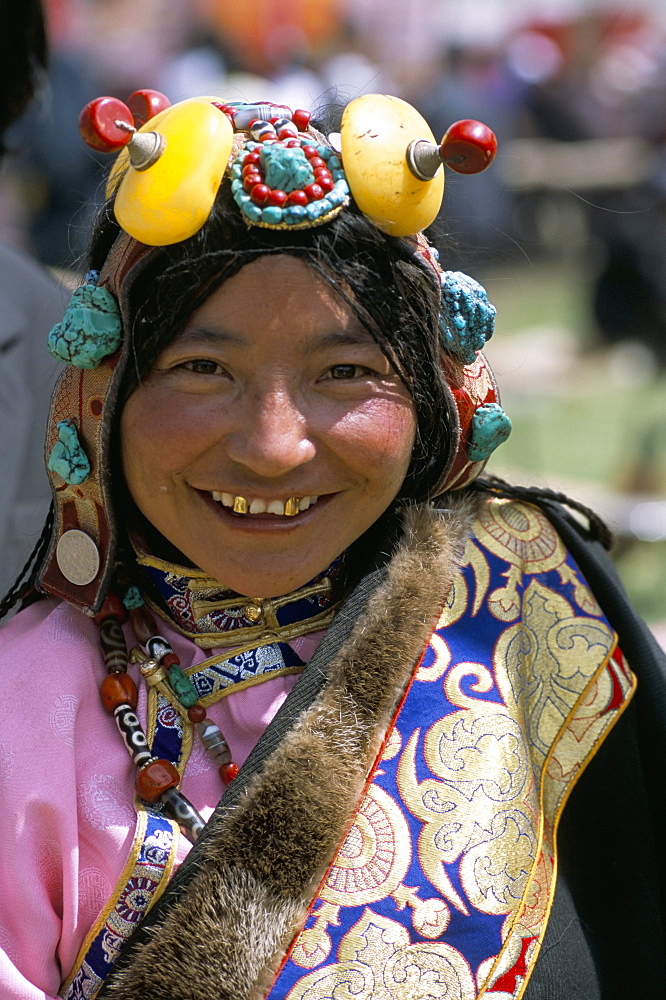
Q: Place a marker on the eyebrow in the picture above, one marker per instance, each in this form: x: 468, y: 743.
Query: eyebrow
x: 206, y: 335
x: 216, y: 336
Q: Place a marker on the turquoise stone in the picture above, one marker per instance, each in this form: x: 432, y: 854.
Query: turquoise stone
x: 272, y: 215
x: 467, y: 319
x: 490, y: 428
x: 294, y: 214
x: 252, y: 211
x: 133, y: 598
x: 90, y: 330
x: 182, y: 687
x: 285, y: 168
x: 68, y: 459
x: 339, y: 193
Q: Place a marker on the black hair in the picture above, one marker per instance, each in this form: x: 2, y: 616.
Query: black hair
x: 384, y: 279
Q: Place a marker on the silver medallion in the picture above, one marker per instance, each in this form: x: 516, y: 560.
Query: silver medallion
x: 77, y: 557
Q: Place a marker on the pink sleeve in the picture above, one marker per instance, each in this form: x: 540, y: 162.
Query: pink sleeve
x: 65, y: 820
x: 67, y: 817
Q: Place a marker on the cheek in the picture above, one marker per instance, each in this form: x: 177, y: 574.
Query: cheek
x: 379, y: 438
x: 157, y: 435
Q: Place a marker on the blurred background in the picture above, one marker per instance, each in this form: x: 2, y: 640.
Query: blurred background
x: 567, y: 230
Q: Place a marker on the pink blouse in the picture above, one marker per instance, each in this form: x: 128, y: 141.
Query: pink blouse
x: 66, y: 817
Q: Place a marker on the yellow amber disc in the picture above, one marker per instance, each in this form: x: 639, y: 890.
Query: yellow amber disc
x: 172, y: 199
x: 376, y: 131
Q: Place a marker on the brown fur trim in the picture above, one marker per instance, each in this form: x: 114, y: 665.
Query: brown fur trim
x: 227, y: 934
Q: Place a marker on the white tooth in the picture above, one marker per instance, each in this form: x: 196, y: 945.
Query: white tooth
x: 227, y: 499
x: 304, y: 503
x: 217, y: 496
x: 275, y: 507
x: 257, y: 507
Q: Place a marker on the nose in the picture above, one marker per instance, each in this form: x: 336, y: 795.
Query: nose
x: 270, y: 436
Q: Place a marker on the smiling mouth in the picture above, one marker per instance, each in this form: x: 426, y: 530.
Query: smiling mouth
x: 280, y: 508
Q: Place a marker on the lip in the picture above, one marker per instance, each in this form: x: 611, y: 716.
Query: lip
x: 264, y: 522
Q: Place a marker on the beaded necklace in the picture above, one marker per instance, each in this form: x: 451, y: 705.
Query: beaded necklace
x: 157, y: 778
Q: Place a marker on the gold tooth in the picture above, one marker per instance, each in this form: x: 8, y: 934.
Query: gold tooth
x: 240, y: 505
x: 291, y: 507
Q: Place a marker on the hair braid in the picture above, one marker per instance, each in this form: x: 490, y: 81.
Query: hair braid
x: 24, y: 583
x: 597, y: 527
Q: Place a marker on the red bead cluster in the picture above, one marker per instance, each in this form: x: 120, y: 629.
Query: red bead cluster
x: 261, y: 194
x: 108, y: 124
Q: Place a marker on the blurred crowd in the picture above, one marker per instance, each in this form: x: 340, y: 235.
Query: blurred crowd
x: 595, y: 78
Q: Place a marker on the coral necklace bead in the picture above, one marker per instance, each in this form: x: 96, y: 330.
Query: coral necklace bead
x: 228, y: 772
x: 116, y: 690
x: 155, y: 778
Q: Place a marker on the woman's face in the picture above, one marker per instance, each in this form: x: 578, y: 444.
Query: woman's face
x: 273, y: 398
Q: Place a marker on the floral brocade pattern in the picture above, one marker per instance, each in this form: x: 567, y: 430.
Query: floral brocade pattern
x: 443, y: 885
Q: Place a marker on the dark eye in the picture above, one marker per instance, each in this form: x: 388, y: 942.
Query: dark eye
x: 345, y: 371
x: 202, y: 366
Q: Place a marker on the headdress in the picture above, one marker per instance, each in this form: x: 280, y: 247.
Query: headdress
x: 283, y: 174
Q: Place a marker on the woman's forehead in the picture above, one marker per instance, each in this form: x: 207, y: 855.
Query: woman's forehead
x: 276, y: 291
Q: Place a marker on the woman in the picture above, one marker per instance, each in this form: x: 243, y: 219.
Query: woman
x: 398, y: 695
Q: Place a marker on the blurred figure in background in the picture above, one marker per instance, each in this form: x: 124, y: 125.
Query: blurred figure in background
x: 30, y: 303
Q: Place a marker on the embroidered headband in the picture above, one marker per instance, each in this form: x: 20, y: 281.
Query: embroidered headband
x: 283, y: 175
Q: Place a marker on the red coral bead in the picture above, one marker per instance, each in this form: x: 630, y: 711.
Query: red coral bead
x: 112, y: 607
x: 277, y: 197
x: 118, y: 689
x: 154, y: 779
x: 250, y: 179
x: 97, y: 124
x: 468, y: 147
x: 145, y: 104
x: 196, y: 713
x: 287, y: 131
x: 301, y: 119
x: 316, y: 161
x: 170, y: 660
x: 297, y: 198
x: 309, y: 151
x: 292, y: 143
x: 314, y: 191
x: 259, y: 194
x: 254, y: 156
x: 228, y: 772
x: 326, y: 183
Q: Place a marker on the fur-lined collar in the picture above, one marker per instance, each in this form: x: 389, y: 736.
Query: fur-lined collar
x: 252, y: 876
